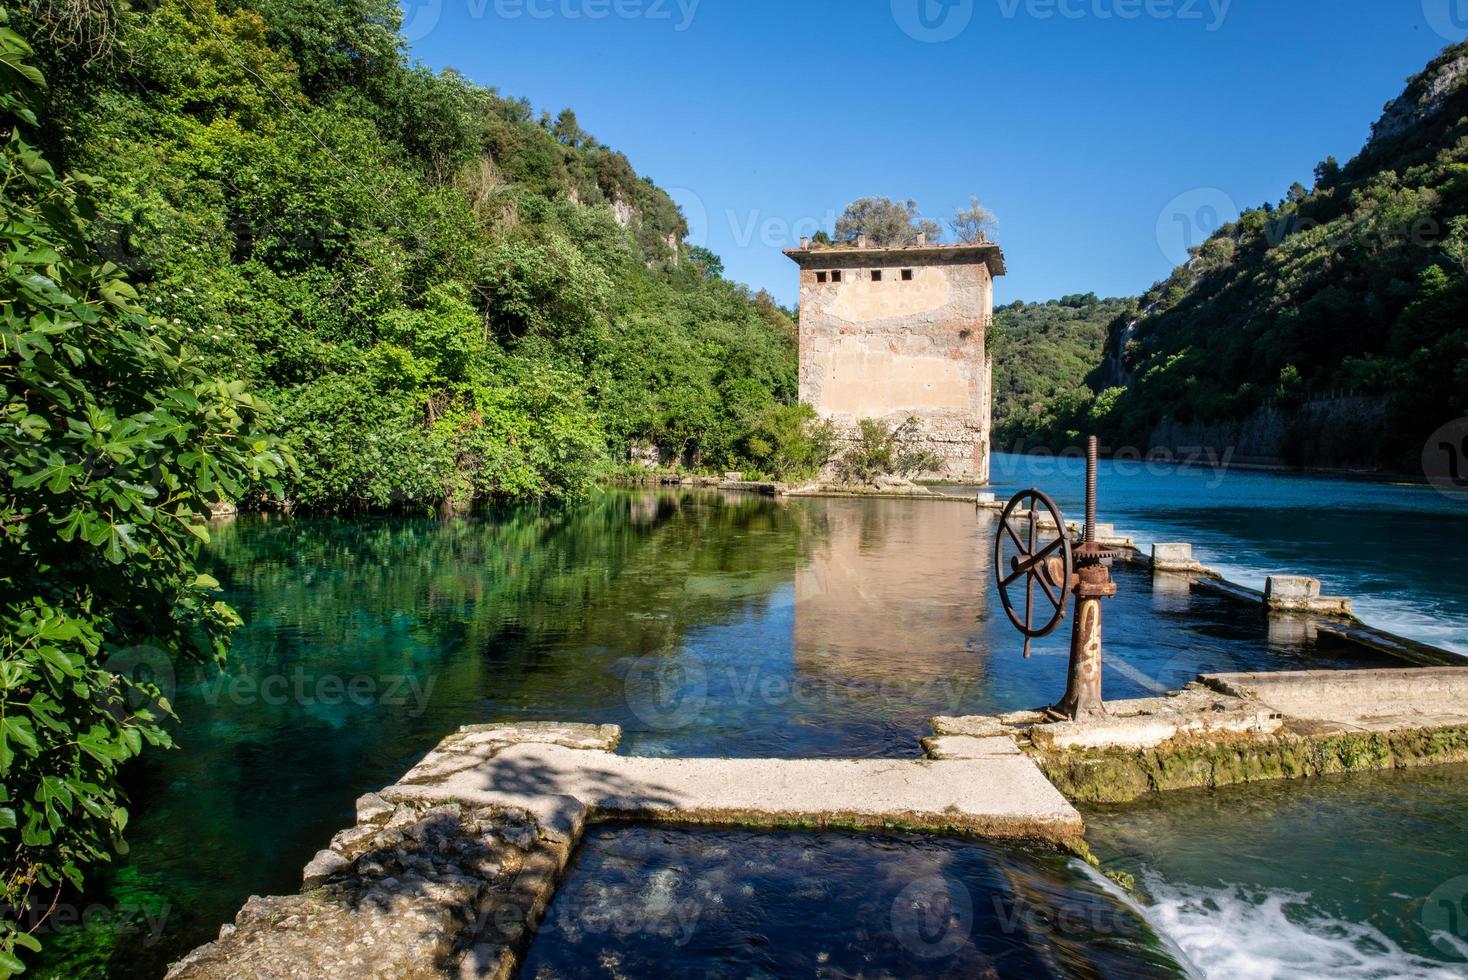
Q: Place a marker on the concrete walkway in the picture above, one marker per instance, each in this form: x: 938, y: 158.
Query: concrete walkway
x: 563, y: 776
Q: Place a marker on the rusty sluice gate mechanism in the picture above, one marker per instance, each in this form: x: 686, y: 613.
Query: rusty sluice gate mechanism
x: 1033, y: 535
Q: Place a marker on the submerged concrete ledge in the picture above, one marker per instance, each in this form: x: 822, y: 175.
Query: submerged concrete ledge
x: 448, y: 872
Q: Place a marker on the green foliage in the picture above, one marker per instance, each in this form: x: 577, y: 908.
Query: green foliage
x: 883, y: 450
x: 885, y: 222
x: 1043, y: 354
x: 1359, y: 283
x: 448, y: 301
x: 115, y: 441
x: 790, y: 442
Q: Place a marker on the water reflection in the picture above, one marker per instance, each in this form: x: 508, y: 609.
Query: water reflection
x: 704, y: 624
x: 888, y: 591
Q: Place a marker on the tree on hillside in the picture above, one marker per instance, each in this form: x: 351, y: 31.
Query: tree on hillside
x: 973, y: 223
x: 885, y: 222
x: 568, y: 130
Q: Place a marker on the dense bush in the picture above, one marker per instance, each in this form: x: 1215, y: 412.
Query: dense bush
x: 883, y: 450
x: 790, y: 443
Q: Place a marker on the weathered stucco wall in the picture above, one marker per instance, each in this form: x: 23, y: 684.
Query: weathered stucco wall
x: 891, y: 348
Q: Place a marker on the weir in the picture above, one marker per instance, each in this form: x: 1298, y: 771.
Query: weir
x: 449, y: 870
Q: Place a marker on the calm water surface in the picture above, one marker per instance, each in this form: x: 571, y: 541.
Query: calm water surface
x: 1389, y: 547
x: 704, y: 624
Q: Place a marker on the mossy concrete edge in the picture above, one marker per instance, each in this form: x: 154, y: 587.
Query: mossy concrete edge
x: 1120, y: 775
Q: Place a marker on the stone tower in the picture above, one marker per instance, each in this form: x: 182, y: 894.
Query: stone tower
x: 893, y: 332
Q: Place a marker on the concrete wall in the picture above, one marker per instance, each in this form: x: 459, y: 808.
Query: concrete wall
x: 894, y: 348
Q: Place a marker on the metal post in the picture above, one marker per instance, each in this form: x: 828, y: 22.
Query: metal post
x: 1093, y: 583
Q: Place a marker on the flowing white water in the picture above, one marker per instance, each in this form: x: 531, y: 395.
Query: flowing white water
x: 1243, y: 933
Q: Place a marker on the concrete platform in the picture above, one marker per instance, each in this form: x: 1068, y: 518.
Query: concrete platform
x: 984, y: 789
x: 1234, y: 728
x: 1356, y: 700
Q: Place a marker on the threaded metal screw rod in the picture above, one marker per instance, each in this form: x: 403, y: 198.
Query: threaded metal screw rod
x: 1092, y: 452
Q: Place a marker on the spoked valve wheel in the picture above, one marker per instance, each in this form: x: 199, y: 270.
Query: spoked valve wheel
x: 1033, y: 564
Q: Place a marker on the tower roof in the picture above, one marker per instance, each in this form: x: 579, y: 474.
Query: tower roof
x: 988, y: 253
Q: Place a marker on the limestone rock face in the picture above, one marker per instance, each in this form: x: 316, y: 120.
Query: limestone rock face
x: 1426, y: 96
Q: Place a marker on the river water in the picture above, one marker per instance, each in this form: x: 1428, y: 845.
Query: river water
x: 723, y: 624
x: 1391, y: 548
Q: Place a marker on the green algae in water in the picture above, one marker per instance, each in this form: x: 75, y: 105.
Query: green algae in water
x: 663, y: 902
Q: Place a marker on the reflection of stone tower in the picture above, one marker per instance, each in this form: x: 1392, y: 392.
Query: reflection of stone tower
x: 895, y: 591
x: 895, y: 332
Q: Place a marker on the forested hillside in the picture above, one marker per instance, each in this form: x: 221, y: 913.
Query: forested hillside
x: 1043, y: 353
x: 444, y: 297
x: 1357, y: 284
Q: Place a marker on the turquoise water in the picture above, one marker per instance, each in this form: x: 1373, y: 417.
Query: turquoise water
x: 1389, y: 547
x: 703, y: 623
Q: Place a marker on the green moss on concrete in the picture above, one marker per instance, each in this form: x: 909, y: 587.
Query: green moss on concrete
x: 1190, y: 762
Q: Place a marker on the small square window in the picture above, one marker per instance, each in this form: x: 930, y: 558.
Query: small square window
x: 836, y: 275
x: 820, y: 277
x: 907, y: 275
x: 876, y: 275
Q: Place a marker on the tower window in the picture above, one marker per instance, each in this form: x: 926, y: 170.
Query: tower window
x: 907, y: 275
x: 836, y: 275
x: 820, y: 277
x: 876, y: 275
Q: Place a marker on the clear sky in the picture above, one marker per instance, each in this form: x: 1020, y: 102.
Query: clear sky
x: 1106, y: 134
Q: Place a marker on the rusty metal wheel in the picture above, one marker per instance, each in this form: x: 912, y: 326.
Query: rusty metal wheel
x: 1032, y: 547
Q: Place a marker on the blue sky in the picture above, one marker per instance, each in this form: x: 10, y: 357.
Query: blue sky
x: 1106, y: 134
